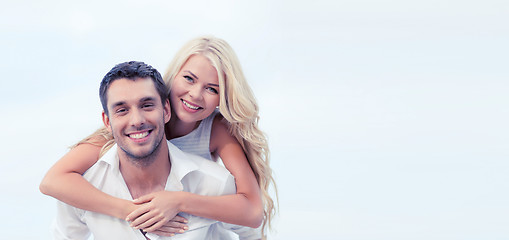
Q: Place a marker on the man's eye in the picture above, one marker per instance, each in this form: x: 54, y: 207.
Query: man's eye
x: 148, y: 105
x: 121, y: 110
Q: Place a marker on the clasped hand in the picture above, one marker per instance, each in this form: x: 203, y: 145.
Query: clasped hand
x: 157, y: 213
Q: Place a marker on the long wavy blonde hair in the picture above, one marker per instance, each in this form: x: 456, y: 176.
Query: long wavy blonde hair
x: 237, y: 105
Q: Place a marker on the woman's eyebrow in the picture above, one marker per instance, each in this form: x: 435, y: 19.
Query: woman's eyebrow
x: 191, y: 74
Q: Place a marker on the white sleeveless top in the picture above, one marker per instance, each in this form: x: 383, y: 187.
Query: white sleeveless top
x: 198, y: 141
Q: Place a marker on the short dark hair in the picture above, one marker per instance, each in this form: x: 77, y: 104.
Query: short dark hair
x: 132, y: 70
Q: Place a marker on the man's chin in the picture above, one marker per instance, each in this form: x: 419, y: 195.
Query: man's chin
x: 143, y: 154
x: 140, y: 154
x: 137, y: 153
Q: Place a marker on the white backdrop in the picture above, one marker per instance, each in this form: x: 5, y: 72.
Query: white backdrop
x: 386, y: 119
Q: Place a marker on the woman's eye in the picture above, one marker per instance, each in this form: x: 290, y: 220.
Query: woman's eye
x: 212, y: 90
x: 189, y: 79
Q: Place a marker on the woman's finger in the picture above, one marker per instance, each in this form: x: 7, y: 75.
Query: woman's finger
x: 136, y: 223
x: 157, y: 223
x: 137, y: 213
x: 179, y: 219
x: 170, y: 229
x: 144, y: 198
x: 149, y: 222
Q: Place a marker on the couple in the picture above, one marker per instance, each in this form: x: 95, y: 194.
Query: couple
x: 204, y: 75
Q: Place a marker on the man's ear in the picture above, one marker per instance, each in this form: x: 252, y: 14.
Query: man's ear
x: 167, y: 111
x: 106, y: 121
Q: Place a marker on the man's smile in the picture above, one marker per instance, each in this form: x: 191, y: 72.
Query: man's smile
x: 139, y: 135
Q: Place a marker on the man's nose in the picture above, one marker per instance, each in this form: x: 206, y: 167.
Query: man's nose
x: 137, y: 118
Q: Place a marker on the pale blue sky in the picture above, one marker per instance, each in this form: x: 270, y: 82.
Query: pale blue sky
x: 386, y: 119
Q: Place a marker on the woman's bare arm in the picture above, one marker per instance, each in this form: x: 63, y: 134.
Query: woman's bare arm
x: 243, y: 208
x: 64, y: 182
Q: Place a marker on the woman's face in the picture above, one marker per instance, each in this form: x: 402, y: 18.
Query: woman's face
x: 195, y: 90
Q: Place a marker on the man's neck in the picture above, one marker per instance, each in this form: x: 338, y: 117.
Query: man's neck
x: 142, y: 180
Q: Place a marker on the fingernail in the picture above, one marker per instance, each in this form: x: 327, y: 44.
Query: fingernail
x: 181, y: 231
x: 186, y: 228
x: 173, y: 234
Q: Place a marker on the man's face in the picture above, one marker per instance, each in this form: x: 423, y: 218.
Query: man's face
x: 136, y: 117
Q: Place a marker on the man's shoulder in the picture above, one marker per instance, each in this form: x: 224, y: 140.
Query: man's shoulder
x: 104, y: 164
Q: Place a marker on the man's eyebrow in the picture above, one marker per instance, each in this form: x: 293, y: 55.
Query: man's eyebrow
x: 148, y: 99
x: 114, y: 105
x: 191, y: 74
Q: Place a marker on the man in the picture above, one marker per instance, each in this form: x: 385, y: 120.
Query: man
x: 136, y: 109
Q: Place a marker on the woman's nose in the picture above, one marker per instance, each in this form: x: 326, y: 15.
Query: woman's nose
x: 195, y: 92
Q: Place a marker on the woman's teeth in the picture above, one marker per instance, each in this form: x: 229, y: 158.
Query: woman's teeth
x: 190, y: 106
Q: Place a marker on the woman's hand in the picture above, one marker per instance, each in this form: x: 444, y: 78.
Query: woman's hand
x: 156, y: 211
x: 176, y: 225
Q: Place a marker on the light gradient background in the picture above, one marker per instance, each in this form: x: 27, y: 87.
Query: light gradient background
x: 387, y: 119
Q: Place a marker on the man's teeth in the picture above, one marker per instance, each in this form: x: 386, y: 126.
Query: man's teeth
x: 189, y: 105
x: 139, y: 135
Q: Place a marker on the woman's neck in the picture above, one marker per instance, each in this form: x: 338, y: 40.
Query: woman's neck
x: 176, y: 128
